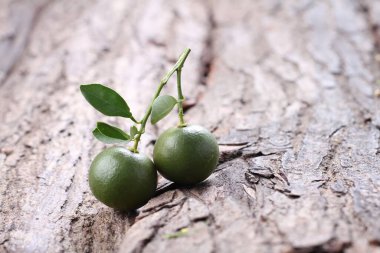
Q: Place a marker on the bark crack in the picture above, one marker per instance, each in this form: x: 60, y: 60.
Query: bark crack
x: 208, y: 54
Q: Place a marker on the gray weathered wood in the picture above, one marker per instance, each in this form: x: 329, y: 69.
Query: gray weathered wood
x: 288, y: 87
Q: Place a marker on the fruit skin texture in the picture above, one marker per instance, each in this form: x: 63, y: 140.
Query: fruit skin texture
x: 122, y: 179
x: 186, y: 155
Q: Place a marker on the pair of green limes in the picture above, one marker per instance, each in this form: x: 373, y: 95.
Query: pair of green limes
x: 125, y: 180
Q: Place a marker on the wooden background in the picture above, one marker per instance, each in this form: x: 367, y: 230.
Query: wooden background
x: 290, y: 89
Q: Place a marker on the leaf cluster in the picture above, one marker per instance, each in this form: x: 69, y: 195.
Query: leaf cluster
x: 110, y: 103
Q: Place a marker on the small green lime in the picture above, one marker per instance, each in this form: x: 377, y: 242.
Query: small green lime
x: 122, y: 179
x: 186, y: 155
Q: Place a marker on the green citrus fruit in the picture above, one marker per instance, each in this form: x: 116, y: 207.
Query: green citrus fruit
x: 186, y: 155
x: 122, y: 179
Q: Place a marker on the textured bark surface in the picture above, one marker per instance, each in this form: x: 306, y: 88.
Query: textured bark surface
x: 290, y: 88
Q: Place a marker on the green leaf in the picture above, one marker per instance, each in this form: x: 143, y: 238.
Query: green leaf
x: 162, y: 107
x: 103, y: 138
x: 106, y: 100
x: 109, y: 134
x: 180, y: 233
x: 133, y: 131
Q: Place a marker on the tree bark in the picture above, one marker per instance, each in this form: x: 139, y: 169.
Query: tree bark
x: 289, y: 88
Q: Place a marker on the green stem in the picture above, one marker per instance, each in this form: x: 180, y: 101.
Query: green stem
x: 163, y: 82
x: 180, y: 99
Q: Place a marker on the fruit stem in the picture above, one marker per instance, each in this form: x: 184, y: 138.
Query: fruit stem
x: 180, y: 99
x: 163, y: 82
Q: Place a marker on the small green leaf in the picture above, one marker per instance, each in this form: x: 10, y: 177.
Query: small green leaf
x: 112, y: 131
x: 106, y: 100
x: 133, y: 131
x: 162, y: 107
x: 109, y: 134
x: 103, y: 138
x: 180, y: 233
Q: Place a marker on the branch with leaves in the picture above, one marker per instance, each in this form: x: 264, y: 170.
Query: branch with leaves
x: 110, y: 103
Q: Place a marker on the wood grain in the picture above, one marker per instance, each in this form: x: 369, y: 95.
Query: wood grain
x: 288, y: 87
